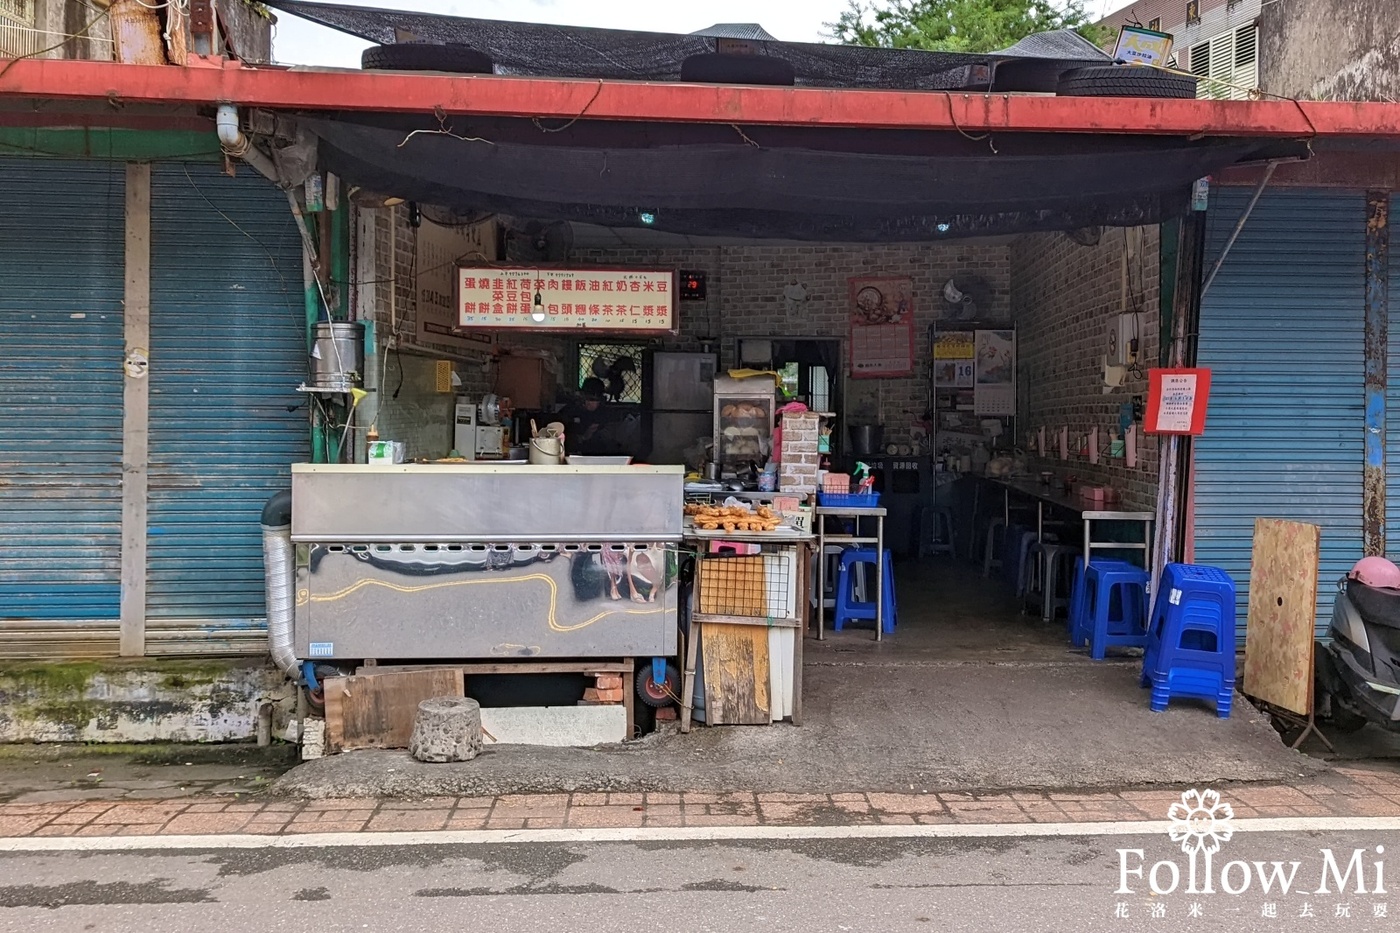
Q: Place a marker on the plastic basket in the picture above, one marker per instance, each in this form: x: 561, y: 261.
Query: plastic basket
x: 853, y: 500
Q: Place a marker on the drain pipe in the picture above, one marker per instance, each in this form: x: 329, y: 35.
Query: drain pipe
x: 240, y: 146
x: 279, y: 572
x: 237, y: 145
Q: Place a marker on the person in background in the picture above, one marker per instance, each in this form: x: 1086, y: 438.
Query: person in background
x: 584, y: 419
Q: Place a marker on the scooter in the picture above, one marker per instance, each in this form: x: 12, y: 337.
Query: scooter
x: 1358, y: 665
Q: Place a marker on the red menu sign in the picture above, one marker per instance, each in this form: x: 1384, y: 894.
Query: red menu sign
x: 631, y: 300
x: 1176, y: 401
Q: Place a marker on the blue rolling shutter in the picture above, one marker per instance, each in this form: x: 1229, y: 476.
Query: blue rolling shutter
x: 1283, y: 331
x: 228, y: 350
x: 61, y: 288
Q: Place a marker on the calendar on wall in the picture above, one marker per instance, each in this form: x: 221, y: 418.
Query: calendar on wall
x: 882, y: 327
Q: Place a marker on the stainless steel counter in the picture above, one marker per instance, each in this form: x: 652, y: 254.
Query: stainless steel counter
x: 485, y: 503
x: 475, y: 560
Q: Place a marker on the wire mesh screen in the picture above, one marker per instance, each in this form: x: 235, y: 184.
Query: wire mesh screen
x: 617, y: 366
x: 748, y: 581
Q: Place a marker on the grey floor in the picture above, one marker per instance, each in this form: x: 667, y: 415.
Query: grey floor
x: 968, y: 693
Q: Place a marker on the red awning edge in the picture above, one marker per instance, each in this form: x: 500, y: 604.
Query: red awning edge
x: 567, y: 99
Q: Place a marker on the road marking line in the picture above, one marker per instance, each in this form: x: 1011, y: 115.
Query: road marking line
x: 673, y: 834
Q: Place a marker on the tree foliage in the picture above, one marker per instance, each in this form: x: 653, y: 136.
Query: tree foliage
x: 958, y: 25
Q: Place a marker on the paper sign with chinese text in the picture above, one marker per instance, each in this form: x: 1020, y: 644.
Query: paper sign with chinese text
x: 1176, y: 401
x: 438, y: 250
x: 631, y: 300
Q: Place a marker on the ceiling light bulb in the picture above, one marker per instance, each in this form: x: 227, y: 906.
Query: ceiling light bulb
x: 537, y: 310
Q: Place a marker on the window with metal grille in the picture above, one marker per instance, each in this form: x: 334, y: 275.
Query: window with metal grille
x: 18, y: 11
x: 617, y: 365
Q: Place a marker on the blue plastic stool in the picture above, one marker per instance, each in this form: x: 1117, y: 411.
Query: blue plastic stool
x: 1105, y: 629
x: 847, y: 608
x: 1078, y: 622
x: 1190, y: 649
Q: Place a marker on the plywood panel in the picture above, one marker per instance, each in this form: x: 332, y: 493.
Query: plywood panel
x: 377, y: 710
x: 737, y: 677
x: 1278, y: 664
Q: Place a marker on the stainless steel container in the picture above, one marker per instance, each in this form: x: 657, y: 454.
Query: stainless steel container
x: 338, y: 356
x: 867, y: 440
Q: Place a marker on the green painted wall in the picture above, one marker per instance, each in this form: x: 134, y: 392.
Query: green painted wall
x: 122, y: 145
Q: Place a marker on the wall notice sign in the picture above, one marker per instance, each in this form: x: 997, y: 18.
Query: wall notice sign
x: 882, y: 327
x: 439, y: 250
x: 1176, y: 401
x: 519, y: 298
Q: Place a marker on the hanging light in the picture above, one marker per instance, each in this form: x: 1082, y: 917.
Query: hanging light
x: 537, y: 310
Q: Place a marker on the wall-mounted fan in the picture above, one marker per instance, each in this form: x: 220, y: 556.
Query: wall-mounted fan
x: 965, y: 297
x: 1086, y: 236
x: 537, y: 241
x: 451, y: 217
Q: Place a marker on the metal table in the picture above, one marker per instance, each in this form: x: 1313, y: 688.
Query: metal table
x: 820, y: 514
x: 791, y: 536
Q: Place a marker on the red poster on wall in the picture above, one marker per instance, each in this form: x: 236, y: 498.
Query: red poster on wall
x: 882, y: 327
x: 1176, y: 401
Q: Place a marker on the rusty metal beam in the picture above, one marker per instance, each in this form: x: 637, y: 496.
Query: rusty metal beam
x: 1377, y: 338
x: 568, y: 99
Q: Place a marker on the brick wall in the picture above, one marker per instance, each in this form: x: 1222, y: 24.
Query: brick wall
x: 409, y: 407
x: 745, y: 299
x: 1065, y: 296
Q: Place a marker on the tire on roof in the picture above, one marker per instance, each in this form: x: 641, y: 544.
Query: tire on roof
x: 719, y: 68
x: 427, y: 56
x: 1124, y: 81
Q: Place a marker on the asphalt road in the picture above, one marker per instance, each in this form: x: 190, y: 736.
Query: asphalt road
x: 836, y: 884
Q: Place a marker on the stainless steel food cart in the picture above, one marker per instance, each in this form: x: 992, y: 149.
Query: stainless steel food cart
x: 478, y: 560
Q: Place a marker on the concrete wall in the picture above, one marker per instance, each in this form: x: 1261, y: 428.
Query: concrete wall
x: 167, y: 701
x: 1330, y: 49
x: 1065, y: 296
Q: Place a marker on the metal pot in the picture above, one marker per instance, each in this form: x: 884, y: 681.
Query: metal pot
x: 866, y: 440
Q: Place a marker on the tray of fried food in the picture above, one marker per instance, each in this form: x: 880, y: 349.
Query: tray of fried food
x: 733, y: 518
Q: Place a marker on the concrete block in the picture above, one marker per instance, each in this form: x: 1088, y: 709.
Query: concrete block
x: 559, y: 726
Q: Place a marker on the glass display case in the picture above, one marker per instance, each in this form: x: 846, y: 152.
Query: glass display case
x: 743, y: 422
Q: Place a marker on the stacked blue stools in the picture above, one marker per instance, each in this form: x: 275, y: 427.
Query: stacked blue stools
x: 1113, y: 608
x: 848, y: 609
x: 1190, y: 649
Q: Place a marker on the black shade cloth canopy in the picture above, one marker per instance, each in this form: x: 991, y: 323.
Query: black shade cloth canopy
x: 783, y: 182
x: 543, y: 50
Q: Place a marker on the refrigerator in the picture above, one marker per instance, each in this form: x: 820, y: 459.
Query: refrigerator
x: 678, y: 396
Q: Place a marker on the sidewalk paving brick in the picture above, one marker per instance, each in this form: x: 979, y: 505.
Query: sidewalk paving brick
x: 1346, y: 791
